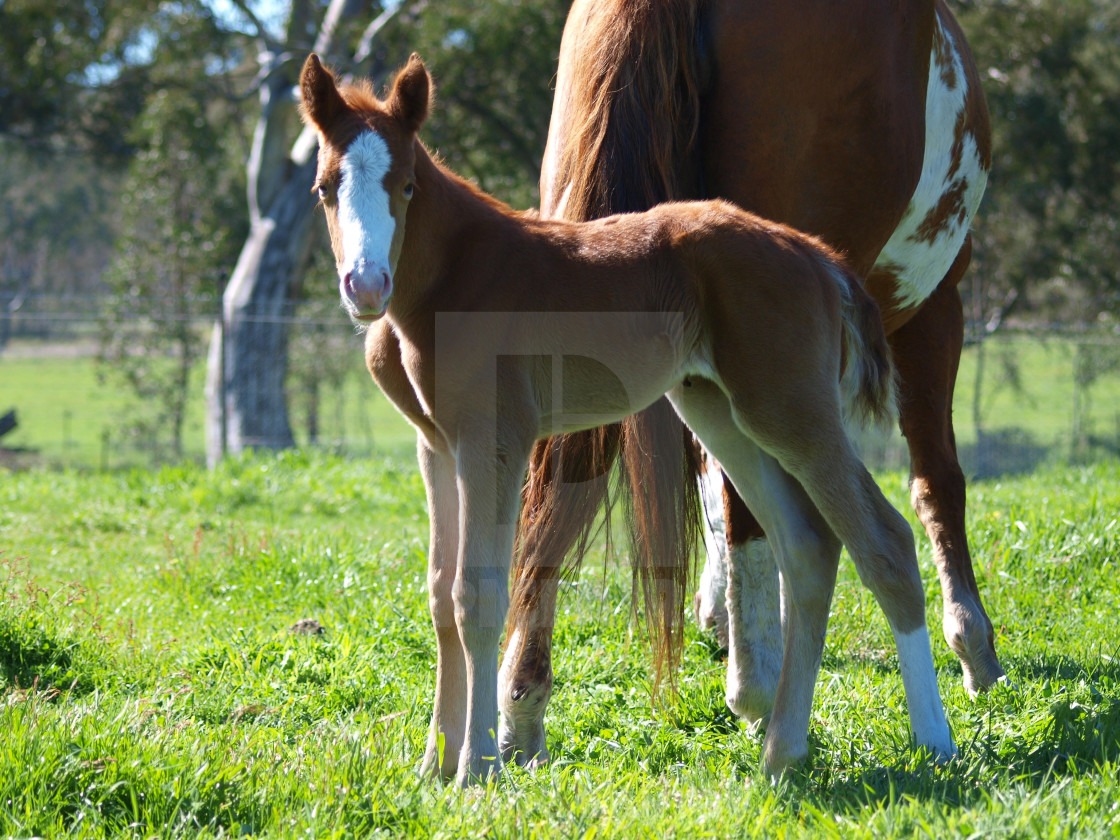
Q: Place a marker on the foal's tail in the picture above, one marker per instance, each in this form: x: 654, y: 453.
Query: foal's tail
x: 868, y: 387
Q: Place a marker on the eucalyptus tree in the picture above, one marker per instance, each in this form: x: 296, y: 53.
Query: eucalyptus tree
x: 1048, y: 235
x: 1048, y: 238
x: 181, y: 216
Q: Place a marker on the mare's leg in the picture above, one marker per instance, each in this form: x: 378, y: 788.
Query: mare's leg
x: 710, y: 603
x: 927, y: 350
x: 756, y: 618
x: 740, y: 596
x: 450, y: 713
x: 525, y: 681
x: 489, y: 481
x: 806, y: 550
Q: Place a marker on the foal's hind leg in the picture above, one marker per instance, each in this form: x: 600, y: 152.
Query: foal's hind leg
x: 926, y: 351
x: 820, y: 456
x: 813, y: 448
x: 806, y: 551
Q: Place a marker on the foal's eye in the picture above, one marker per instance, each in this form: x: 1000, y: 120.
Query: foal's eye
x: 322, y: 192
x: 407, y: 191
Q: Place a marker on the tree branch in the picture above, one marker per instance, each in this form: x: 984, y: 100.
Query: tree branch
x: 265, y: 42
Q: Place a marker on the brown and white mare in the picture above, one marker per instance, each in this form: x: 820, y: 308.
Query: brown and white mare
x: 484, y: 323
x: 862, y: 123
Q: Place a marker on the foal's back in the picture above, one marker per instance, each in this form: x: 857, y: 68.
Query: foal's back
x: 688, y: 257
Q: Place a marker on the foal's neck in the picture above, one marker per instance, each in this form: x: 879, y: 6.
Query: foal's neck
x: 446, y: 216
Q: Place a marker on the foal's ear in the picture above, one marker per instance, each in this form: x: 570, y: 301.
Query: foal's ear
x: 411, y: 97
x: 322, y: 103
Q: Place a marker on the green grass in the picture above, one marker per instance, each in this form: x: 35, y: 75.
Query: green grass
x: 151, y: 687
x: 69, y: 418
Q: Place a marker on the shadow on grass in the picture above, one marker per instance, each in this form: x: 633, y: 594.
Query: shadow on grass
x: 1063, y: 668
x: 31, y: 656
x: 880, y: 663
x: 1077, y: 740
x: 1003, y: 452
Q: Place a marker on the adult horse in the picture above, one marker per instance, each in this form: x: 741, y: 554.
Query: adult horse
x: 862, y: 123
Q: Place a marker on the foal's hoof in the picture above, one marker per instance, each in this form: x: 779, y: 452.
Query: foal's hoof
x: 480, y: 772
x: 982, y: 673
x: 940, y: 751
x: 538, y: 759
x: 751, y: 705
x: 430, y: 767
x: 521, y: 735
x: 752, y: 685
x: 441, y: 755
x: 1001, y: 687
x: 776, y: 763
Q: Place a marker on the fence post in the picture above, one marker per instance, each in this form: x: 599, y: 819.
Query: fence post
x: 223, y: 378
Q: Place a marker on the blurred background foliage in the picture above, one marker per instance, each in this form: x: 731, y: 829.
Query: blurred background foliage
x: 83, y: 84
x: 125, y: 128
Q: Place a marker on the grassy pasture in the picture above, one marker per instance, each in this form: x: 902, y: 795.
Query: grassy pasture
x: 71, y: 418
x: 151, y: 686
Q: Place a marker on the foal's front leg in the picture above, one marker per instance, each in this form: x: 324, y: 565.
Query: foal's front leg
x: 489, y: 485
x: 449, y: 714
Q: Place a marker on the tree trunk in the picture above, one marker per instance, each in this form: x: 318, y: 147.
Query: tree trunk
x: 246, y: 404
x: 249, y: 354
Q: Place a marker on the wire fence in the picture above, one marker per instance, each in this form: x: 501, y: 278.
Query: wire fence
x: 85, y: 381
x: 93, y: 381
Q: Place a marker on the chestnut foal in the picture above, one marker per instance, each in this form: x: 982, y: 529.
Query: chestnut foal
x: 509, y: 328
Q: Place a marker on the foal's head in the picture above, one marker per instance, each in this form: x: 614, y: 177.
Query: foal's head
x: 365, y: 176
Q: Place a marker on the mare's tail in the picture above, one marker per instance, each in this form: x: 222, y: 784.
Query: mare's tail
x: 634, y: 84
x: 868, y: 386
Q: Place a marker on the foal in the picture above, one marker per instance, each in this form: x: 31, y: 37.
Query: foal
x: 511, y: 328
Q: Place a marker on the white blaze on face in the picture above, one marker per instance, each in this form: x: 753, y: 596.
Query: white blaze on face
x: 364, y: 217
x: 952, y: 179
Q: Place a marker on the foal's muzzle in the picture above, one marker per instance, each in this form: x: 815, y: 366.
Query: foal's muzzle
x: 365, y: 291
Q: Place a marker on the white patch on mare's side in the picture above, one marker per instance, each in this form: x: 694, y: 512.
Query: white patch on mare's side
x: 917, y: 254
x: 364, y: 216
